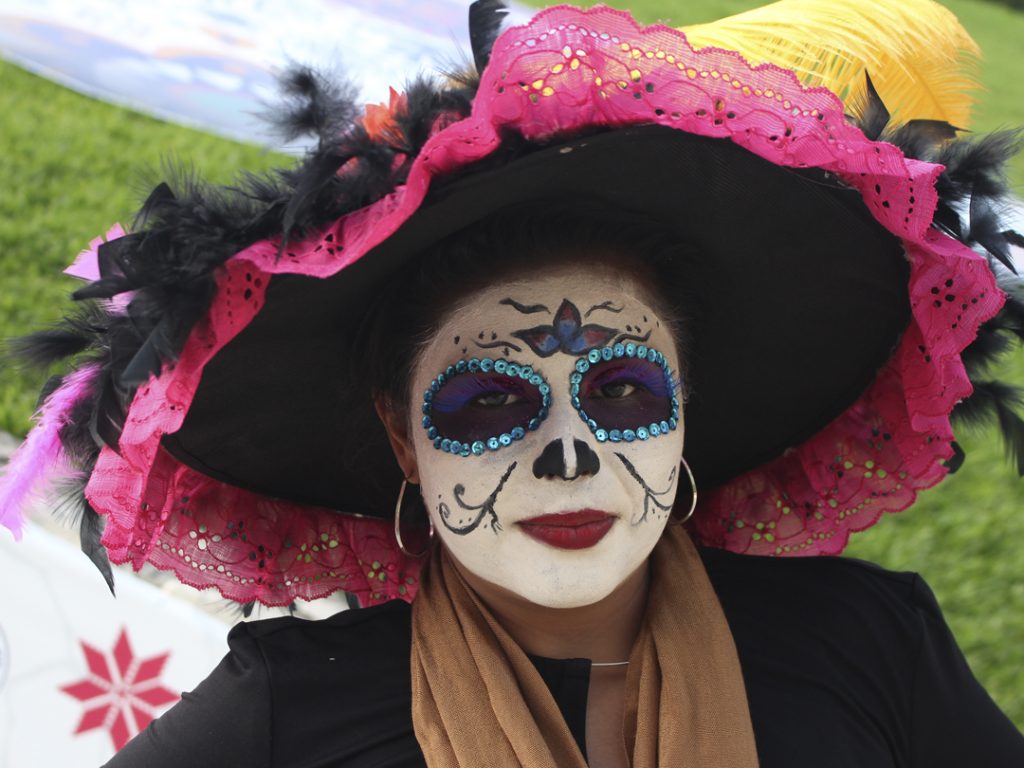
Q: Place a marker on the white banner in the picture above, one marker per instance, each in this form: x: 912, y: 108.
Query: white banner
x: 211, y: 63
x: 80, y: 671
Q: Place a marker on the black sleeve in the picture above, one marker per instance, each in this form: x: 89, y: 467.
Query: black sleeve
x: 224, y: 721
x: 954, y: 722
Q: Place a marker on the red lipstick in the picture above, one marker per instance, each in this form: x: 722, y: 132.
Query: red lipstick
x: 569, y: 530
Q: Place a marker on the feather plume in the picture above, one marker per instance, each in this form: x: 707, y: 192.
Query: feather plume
x: 485, y: 18
x: 919, y: 56
x: 90, y: 532
x: 41, y: 452
x: 999, y: 402
x: 313, y: 103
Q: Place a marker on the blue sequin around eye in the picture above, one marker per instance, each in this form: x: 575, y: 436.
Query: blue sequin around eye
x: 480, y: 405
x: 625, y: 392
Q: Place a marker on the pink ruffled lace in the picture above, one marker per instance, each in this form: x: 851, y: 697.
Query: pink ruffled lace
x: 564, y: 72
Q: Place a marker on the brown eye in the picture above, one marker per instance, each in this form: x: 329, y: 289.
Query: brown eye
x: 617, y: 390
x: 471, y: 408
x: 625, y: 393
x: 497, y: 399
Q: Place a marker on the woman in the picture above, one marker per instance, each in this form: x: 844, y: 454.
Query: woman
x: 504, y: 292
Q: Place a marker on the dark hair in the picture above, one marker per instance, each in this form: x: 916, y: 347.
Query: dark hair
x: 413, y: 306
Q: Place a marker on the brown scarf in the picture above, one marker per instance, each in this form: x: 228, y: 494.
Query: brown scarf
x: 478, y: 700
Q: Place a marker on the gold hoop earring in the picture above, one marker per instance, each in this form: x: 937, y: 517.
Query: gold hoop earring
x: 398, y: 526
x: 693, y: 485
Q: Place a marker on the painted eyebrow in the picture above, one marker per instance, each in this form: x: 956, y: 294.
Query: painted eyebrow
x: 607, y: 305
x: 526, y: 309
x: 498, y: 343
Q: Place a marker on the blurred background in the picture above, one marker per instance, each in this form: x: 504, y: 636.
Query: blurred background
x: 95, y: 96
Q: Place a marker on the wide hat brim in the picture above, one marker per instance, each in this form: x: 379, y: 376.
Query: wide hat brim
x: 802, y: 293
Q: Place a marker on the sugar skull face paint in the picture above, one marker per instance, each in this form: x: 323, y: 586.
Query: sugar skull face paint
x: 548, y: 459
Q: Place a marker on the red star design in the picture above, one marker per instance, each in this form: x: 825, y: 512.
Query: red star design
x: 122, y: 697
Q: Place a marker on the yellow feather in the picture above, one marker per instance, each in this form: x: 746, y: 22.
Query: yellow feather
x: 923, y: 63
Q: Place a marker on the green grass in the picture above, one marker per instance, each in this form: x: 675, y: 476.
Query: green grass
x: 70, y: 167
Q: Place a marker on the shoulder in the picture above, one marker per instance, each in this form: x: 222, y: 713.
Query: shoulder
x: 828, y: 648
x: 335, y: 655
x: 339, y: 688
x: 841, y: 612
x: 358, y: 629
x: 829, y: 590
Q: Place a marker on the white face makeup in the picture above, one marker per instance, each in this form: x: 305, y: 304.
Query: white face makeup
x: 523, y: 491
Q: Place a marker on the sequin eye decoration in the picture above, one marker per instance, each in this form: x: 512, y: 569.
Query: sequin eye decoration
x: 482, y: 405
x: 625, y: 392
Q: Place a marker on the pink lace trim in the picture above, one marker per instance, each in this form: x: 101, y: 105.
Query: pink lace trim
x: 566, y: 71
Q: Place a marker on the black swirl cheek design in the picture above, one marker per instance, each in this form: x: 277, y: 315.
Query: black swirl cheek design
x: 651, y: 497
x: 463, y: 525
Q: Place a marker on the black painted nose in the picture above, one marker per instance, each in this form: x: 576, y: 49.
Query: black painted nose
x: 552, y: 461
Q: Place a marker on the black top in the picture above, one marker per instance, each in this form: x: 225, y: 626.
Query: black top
x: 846, y: 666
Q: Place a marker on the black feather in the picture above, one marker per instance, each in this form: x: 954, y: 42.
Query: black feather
x: 954, y: 462
x: 50, y: 386
x: 313, y: 104
x: 71, y: 507
x: 43, y: 348
x: 921, y: 139
x: 987, y: 347
x: 975, y: 166
x: 999, y: 402
x: 974, y: 183
x: 107, y: 413
x: 89, y: 532
x: 986, y: 230
x: 948, y: 220
x: 485, y: 20
x: 869, y: 112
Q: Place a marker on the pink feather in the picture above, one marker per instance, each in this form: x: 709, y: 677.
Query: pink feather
x: 86, y: 265
x: 41, y: 453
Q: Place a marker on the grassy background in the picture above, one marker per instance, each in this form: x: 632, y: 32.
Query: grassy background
x: 70, y: 166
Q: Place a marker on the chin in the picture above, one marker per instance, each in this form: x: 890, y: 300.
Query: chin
x: 556, y: 591
x: 566, y: 600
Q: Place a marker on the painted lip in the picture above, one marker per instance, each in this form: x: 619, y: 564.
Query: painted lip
x: 581, y: 529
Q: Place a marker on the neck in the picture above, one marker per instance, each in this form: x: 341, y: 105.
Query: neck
x: 602, y: 632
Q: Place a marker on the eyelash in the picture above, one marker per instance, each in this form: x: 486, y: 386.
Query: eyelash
x: 466, y: 390
x: 631, y: 371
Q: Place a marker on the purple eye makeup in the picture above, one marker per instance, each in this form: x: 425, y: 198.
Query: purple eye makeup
x: 625, y: 392
x: 482, y: 405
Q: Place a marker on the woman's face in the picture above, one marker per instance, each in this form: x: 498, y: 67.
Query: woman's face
x: 554, y: 508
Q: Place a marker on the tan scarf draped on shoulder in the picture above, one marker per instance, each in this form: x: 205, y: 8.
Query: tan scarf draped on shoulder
x: 477, y: 700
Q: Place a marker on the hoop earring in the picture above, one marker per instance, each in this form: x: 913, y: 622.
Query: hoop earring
x: 693, y: 485
x: 398, y: 526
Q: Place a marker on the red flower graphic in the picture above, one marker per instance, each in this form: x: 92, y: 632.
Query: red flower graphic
x: 122, y: 697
